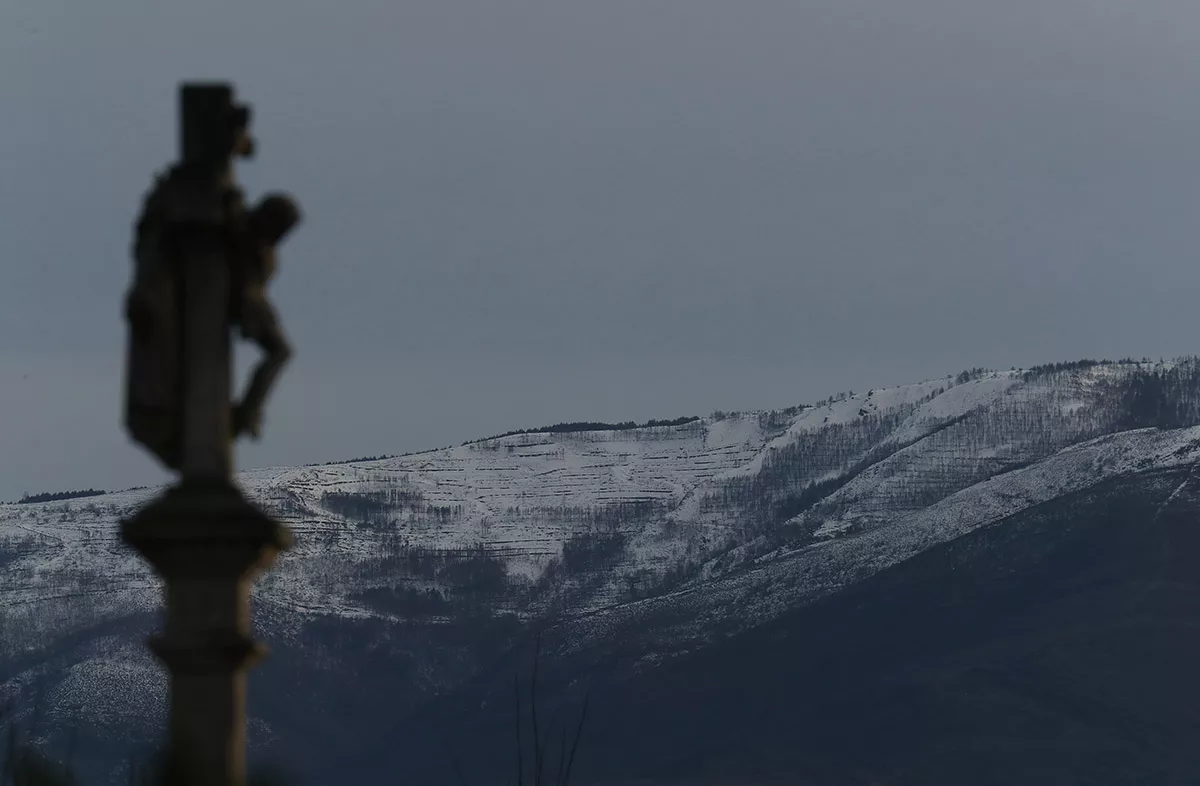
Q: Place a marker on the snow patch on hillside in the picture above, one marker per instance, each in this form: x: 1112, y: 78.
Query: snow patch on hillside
x: 523, y: 497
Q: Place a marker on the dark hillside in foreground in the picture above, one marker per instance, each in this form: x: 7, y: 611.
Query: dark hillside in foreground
x: 1056, y: 647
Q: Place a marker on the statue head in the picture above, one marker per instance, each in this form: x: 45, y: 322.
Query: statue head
x: 243, y: 142
x: 273, y: 217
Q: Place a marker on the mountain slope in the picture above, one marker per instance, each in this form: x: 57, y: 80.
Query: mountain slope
x: 1055, y: 645
x: 415, y: 578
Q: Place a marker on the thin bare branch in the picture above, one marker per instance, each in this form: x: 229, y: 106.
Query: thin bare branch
x: 562, y: 758
x: 538, y: 743
x: 520, y: 744
x: 578, y: 732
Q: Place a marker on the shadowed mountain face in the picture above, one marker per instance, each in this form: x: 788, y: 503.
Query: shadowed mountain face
x: 981, y: 579
x: 1056, y: 646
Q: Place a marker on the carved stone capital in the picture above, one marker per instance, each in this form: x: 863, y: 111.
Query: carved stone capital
x: 205, y: 530
x: 216, y: 652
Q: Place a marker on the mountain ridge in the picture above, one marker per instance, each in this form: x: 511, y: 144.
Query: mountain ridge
x: 636, y: 547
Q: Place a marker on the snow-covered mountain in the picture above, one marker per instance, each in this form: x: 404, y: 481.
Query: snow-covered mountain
x: 636, y: 545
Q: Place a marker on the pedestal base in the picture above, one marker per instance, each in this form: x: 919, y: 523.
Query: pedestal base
x: 207, y: 542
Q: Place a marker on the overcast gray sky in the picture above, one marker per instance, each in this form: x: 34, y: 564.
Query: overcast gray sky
x: 526, y: 212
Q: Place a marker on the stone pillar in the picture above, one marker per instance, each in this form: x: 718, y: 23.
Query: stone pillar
x: 203, y: 537
x: 208, y: 543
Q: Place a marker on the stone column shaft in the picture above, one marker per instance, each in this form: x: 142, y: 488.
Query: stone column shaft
x: 202, y: 536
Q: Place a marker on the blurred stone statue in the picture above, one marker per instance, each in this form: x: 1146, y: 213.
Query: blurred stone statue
x: 166, y: 233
